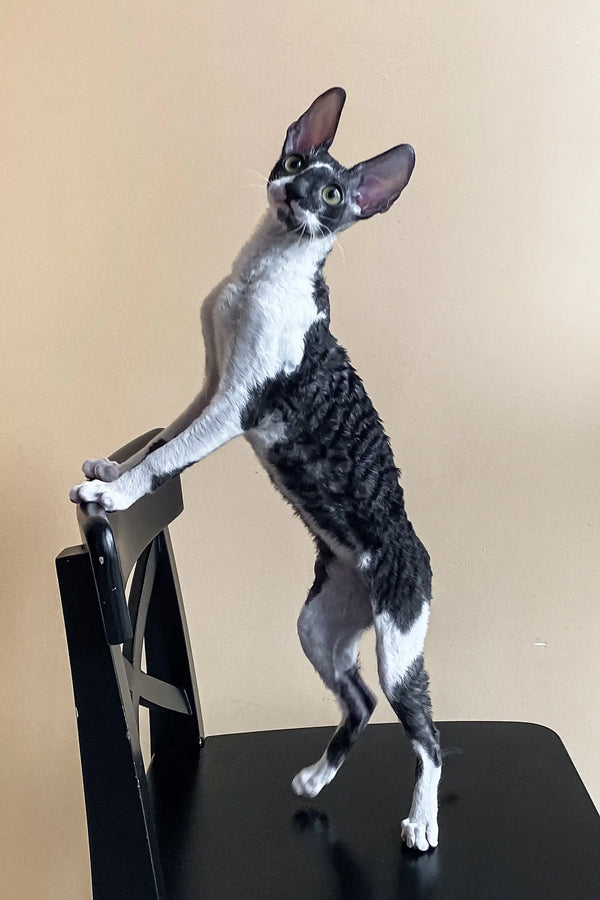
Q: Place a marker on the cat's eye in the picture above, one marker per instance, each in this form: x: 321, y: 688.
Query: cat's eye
x: 293, y: 163
x: 332, y: 195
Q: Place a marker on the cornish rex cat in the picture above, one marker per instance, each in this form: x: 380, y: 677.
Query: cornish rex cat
x: 276, y: 374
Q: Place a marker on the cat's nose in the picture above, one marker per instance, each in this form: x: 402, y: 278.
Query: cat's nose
x: 297, y: 190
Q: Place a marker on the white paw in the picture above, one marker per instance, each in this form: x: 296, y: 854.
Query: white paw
x: 102, y: 469
x: 420, y: 834
x: 310, y: 781
x: 106, y: 495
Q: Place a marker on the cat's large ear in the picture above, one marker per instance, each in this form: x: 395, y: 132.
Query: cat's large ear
x: 316, y: 127
x: 382, y: 179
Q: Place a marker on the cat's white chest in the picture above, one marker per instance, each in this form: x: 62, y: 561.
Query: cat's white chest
x: 262, y: 316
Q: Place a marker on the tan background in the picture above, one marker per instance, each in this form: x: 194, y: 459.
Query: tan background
x: 131, y: 140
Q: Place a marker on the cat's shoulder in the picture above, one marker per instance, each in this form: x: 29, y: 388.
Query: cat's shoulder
x: 219, y: 301
x: 213, y: 297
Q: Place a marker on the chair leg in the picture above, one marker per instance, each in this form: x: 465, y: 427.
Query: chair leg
x: 123, y: 849
x: 169, y: 654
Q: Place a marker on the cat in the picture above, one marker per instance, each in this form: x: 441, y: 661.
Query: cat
x: 276, y: 374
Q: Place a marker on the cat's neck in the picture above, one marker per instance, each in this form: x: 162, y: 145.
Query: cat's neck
x: 272, y: 249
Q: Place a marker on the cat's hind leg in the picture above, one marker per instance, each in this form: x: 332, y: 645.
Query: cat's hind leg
x: 406, y: 686
x: 331, y: 622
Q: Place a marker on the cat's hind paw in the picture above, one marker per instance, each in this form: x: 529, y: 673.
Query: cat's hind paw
x: 420, y: 835
x: 310, y: 781
x: 102, y: 469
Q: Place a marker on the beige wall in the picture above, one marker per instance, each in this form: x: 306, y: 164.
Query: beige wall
x: 132, y: 136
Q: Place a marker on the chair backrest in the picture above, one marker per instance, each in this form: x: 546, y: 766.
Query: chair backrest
x: 106, y: 635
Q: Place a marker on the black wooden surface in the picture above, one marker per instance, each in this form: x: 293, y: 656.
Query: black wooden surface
x: 516, y: 822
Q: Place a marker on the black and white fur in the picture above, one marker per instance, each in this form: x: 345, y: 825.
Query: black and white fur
x: 276, y: 374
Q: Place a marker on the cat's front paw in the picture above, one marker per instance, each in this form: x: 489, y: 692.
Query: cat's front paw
x: 421, y: 834
x: 107, y: 495
x: 102, y: 469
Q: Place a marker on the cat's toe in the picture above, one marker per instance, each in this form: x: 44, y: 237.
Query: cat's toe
x: 74, y: 493
x: 93, y: 492
x: 103, y: 469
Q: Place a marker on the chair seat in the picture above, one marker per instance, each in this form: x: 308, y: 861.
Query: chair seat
x: 516, y: 822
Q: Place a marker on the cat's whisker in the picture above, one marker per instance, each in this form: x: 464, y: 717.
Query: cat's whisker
x: 262, y: 177
x: 299, y: 230
x: 324, y: 230
x: 335, y: 241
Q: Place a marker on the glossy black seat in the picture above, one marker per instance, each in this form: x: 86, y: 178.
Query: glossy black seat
x: 215, y: 817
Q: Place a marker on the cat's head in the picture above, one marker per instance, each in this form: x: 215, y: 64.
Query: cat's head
x: 312, y: 194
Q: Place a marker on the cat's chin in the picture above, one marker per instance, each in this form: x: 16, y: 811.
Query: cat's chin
x: 284, y: 220
x: 283, y: 216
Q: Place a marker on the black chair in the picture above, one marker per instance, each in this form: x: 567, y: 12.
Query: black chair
x: 215, y: 817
